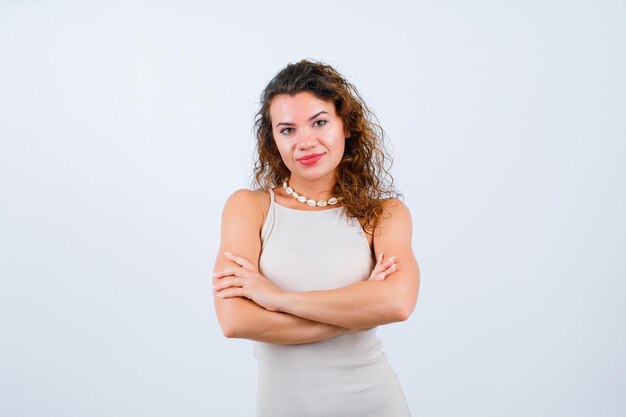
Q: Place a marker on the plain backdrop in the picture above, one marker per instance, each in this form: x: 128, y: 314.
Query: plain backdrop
x: 125, y: 125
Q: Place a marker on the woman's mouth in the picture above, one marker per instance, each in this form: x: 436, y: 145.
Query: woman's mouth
x: 310, y: 159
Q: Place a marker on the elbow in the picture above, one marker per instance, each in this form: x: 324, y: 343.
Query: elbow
x: 234, y: 329
x: 403, y: 312
x: 230, y: 328
x: 404, y: 305
x: 403, y: 309
x: 395, y: 312
x: 228, y: 320
x: 229, y: 331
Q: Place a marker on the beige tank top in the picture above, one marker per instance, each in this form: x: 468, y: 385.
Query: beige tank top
x: 347, y: 375
x: 313, y: 250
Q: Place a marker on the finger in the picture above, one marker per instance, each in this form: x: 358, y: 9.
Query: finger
x: 379, y: 277
x: 377, y: 270
x: 384, y: 274
x: 390, y: 270
x: 225, y: 272
x: 385, y: 265
x: 228, y: 282
x: 240, y: 260
x: 390, y: 262
x: 231, y: 292
x: 236, y: 271
x: 377, y: 274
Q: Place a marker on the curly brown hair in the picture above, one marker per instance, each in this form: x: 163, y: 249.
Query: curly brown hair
x: 363, y: 177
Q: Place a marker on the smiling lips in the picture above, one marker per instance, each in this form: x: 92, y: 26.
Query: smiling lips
x: 310, y: 159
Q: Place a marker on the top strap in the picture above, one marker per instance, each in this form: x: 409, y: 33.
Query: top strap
x: 271, y: 190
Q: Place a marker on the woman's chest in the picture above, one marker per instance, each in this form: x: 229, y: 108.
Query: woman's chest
x: 315, y: 253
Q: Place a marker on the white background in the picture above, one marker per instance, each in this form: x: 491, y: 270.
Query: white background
x: 125, y: 125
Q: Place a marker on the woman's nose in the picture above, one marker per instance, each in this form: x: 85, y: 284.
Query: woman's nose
x: 307, y: 140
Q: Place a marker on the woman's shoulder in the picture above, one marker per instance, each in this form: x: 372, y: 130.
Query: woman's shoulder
x: 394, y: 212
x: 393, y: 204
x: 247, y: 197
x: 245, y: 203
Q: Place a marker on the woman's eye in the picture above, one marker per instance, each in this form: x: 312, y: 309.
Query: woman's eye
x: 286, y: 131
x: 320, y: 122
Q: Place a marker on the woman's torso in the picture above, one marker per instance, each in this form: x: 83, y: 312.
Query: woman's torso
x: 320, y: 250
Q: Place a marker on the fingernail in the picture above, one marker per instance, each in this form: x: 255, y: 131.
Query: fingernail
x: 393, y: 258
x: 219, y: 294
x: 228, y: 254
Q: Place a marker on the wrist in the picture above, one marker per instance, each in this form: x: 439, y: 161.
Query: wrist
x: 285, y: 301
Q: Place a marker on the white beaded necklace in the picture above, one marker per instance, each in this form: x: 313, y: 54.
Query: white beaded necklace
x: 321, y: 203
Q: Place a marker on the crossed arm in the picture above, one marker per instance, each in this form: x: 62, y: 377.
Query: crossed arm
x: 249, y: 306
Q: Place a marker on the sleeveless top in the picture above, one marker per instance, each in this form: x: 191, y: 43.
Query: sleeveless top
x: 347, y: 375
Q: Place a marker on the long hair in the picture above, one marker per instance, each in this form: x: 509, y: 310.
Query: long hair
x: 363, y: 177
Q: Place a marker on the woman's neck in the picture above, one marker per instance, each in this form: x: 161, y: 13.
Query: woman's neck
x: 316, y: 189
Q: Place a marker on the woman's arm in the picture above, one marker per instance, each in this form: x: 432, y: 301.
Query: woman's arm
x: 242, y: 219
x: 248, y: 320
x: 358, y: 306
x: 370, y: 303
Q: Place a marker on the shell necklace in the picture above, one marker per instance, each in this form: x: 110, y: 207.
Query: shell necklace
x: 321, y: 203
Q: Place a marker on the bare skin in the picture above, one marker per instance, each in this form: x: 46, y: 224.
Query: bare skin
x: 249, y: 306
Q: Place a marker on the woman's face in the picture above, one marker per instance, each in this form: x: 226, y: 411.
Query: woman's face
x: 308, y: 133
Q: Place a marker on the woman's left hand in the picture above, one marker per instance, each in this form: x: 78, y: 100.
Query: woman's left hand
x: 245, y: 280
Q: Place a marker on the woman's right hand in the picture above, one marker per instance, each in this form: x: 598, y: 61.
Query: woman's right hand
x: 383, y: 268
x: 244, y: 280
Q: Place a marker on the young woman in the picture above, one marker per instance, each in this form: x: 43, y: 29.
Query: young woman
x: 319, y: 255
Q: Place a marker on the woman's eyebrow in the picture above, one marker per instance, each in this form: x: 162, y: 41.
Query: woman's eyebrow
x: 310, y: 118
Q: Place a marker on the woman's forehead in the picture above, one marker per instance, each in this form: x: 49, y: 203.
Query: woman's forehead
x: 298, y: 108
